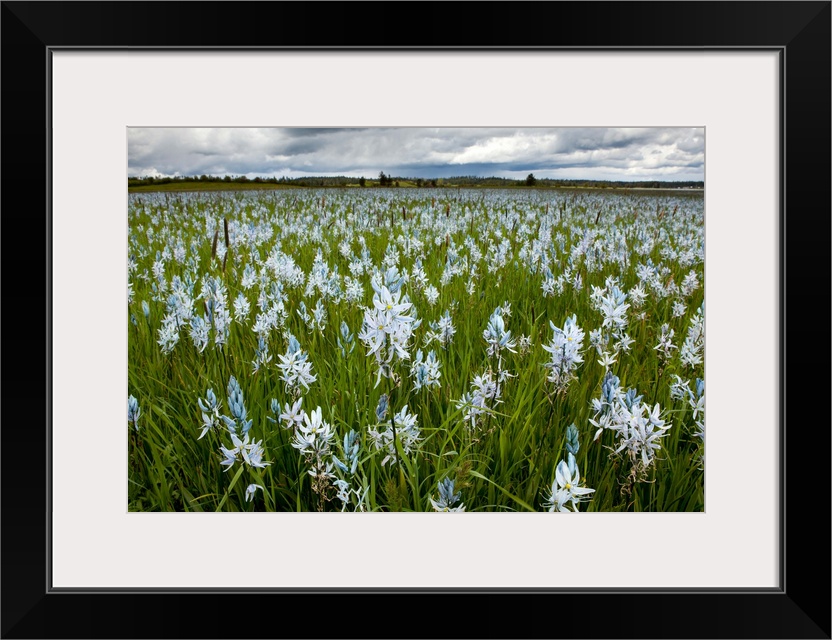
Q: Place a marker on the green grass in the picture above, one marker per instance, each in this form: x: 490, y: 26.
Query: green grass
x: 510, y: 462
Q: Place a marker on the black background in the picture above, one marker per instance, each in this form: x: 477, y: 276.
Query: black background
x: 800, y: 609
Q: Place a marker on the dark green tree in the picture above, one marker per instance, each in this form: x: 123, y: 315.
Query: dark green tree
x: 531, y: 180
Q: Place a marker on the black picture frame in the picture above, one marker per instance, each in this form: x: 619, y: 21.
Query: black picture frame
x: 799, y: 608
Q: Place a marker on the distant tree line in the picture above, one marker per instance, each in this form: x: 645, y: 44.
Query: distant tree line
x: 385, y: 180
x: 532, y: 181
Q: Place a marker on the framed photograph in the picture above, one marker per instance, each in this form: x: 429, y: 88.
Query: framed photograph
x: 449, y: 232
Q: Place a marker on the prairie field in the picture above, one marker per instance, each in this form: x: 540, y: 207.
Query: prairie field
x: 416, y: 350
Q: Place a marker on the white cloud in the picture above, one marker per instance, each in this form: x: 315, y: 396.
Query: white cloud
x: 642, y: 153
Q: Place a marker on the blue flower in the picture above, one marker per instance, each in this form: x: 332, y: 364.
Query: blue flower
x: 447, y: 497
x: 133, y: 412
x: 381, y: 409
x: 572, y: 444
x: 351, y: 448
x: 235, y: 400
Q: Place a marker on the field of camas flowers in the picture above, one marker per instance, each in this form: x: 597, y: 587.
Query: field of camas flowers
x: 416, y: 350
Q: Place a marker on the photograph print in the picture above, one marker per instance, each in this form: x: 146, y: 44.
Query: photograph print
x: 416, y: 319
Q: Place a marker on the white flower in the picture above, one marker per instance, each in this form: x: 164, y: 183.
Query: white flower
x: 407, y: 432
x: 607, y: 360
x: 390, y: 303
x: 374, y: 331
x: 314, y: 434
x: 624, y: 343
x: 691, y: 351
x: 569, y: 483
x: 292, y: 415
x: 565, y: 348
x: 558, y: 500
x: 295, y: 368
x: 250, y: 453
x: 386, y: 331
x: 250, y: 491
x: 496, y: 335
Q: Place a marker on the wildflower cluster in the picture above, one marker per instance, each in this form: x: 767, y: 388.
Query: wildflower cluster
x: 665, y: 346
x: 691, y: 351
x: 485, y: 390
x: 238, y: 426
x: 638, y: 428
x: 441, y: 330
x: 611, y: 301
x: 236, y: 408
x: 403, y: 425
x: 496, y: 336
x: 425, y: 371
x: 681, y: 390
x: 244, y: 450
x: 387, y: 330
x: 565, y: 349
x: 346, y: 341
x: 295, y: 368
x: 313, y: 438
x: 347, y: 494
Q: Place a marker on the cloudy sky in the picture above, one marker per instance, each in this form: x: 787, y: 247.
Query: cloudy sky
x: 568, y: 153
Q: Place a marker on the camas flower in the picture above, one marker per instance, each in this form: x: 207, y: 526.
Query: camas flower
x: 691, y: 351
x: 249, y: 452
x: 387, y: 330
x: 351, y: 449
x: 314, y: 434
x: 496, y: 335
x: 407, y: 431
x: 295, y: 368
x: 346, y: 341
x: 665, y: 346
x: 133, y: 412
x: 565, y: 348
x: 485, y: 391
x: 389, y: 303
x: 210, y: 408
x: 447, y: 498
x: 614, y: 307
x: 566, y: 488
x: 250, y: 491
x: 426, y: 372
x: 292, y: 415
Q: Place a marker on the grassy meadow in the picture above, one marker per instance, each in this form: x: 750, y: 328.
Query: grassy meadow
x: 416, y: 350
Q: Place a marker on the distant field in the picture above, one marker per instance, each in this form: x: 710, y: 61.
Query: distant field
x: 255, y: 186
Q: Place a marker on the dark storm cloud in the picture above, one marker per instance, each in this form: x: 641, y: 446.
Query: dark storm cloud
x: 599, y: 153
x: 301, y: 132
